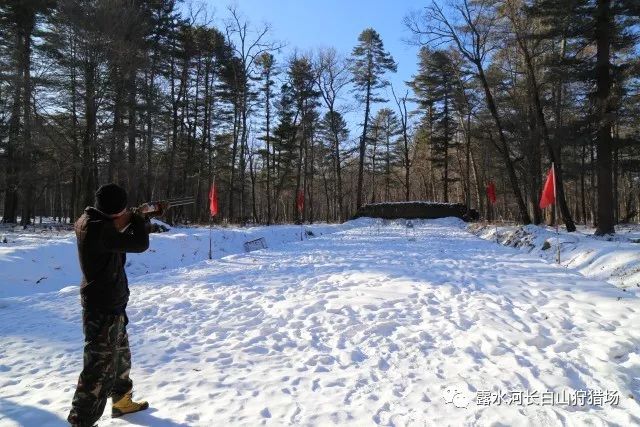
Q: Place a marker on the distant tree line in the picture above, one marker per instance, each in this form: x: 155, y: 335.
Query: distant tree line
x: 164, y: 101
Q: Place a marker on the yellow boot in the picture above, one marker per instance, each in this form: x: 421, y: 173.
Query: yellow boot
x: 124, y: 405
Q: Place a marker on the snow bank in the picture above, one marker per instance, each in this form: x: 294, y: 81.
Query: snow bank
x: 615, y: 259
x: 44, y: 260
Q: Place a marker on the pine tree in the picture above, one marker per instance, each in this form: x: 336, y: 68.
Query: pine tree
x: 434, y: 86
x: 266, y: 64
x: 370, y: 63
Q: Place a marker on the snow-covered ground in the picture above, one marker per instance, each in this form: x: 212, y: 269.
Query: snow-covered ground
x: 615, y: 259
x: 43, y: 260
x: 371, y: 325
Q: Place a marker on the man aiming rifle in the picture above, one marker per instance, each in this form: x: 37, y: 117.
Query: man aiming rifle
x: 105, y: 233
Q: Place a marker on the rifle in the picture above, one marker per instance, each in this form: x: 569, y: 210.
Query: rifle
x: 158, y: 208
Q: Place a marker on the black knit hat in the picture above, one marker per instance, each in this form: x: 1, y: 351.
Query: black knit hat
x: 111, y: 199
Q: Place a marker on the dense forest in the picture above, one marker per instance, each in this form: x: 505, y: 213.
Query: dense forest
x: 164, y: 100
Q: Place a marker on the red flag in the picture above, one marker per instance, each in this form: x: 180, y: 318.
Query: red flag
x: 549, y: 191
x: 300, y: 201
x: 491, y: 192
x: 213, y: 200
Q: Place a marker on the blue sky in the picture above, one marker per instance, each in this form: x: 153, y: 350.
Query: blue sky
x: 308, y: 24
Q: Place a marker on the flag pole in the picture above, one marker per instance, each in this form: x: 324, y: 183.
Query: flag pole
x: 495, y: 219
x: 213, y: 210
x: 555, y: 210
x: 491, y: 208
x: 300, y: 206
x: 210, y: 231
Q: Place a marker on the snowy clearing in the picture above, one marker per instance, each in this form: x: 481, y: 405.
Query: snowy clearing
x: 615, y: 259
x: 372, y: 325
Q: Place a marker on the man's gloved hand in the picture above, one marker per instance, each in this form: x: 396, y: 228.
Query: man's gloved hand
x: 150, y: 210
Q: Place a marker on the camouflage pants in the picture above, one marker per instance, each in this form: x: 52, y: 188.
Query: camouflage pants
x: 107, y: 362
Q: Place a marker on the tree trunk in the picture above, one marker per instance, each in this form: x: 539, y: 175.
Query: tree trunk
x: 387, y: 168
x: 74, y: 206
x: 310, y: 181
x: 174, y: 128
x: 534, y: 166
x: 373, y: 166
x: 616, y: 170
x: 149, y: 132
x: 132, y: 180
x: 337, y: 165
x: 363, y: 144
x: 88, y: 172
x: 243, y: 147
x: 513, y: 178
x: 407, y: 160
x: 445, y: 150
x: 476, y: 177
x: 582, y: 183
x: 234, y: 154
x: 604, y: 144
x: 468, y: 160
x: 113, y: 166
x: 268, y: 143
x: 12, y: 156
x: 252, y: 176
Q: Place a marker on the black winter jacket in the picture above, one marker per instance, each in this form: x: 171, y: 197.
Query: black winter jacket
x: 101, y: 250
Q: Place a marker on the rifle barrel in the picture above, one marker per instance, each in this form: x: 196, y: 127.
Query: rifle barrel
x: 181, y: 200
